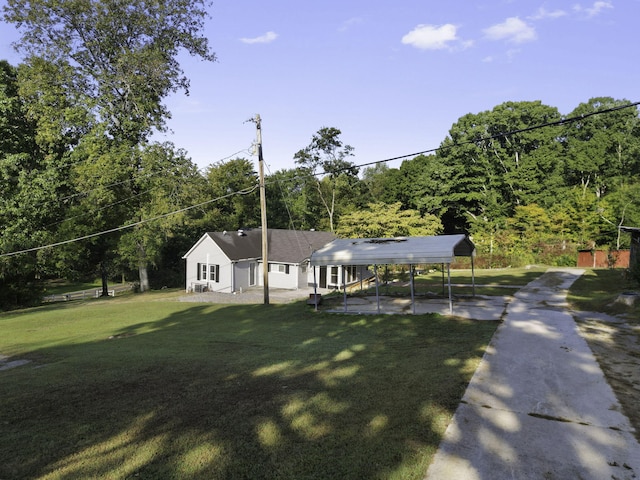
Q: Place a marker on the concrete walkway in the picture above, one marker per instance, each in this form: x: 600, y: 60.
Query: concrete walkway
x: 538, y: 406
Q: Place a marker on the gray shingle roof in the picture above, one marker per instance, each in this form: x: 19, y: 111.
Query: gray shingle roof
x: 285, y: 246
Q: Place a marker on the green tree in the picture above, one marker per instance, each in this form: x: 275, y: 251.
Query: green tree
x: 235, y: 184
x: 171, y: 183
x: 118, y: 61
x: 328, y: 170
x: 119, y: 58
x: 621, y: 208
x: 384, y: 184
x: 21, y: 216
x: 381, y: 220
x: 492, y: 170
x: 104, y: 198
x: 286, y: 200
x: 602, y: 150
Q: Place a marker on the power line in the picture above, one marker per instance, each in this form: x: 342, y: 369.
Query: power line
x: 255, y: 187
x: 130, y: 225
x: 555, y: 123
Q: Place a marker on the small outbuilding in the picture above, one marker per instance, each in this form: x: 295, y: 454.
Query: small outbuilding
x: 440, y: 249
x: 634, y: 254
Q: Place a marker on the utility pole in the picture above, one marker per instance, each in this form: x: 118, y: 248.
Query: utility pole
x: 263, y: 213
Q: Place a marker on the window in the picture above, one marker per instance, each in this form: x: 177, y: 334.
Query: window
x: 204, y: 271
x: 279, y: 267
x: 352, y: 273
x: 334, y: 276
x: 212, y: 272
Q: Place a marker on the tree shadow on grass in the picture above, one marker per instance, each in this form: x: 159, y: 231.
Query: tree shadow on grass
x: 241, y: 391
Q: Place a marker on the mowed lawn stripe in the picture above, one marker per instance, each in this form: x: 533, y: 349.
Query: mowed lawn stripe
x: 133, y: 388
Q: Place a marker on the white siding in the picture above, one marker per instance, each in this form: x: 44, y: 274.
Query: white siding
x: 282, y: 279
x: 242, y: 275
x: 207, y: 252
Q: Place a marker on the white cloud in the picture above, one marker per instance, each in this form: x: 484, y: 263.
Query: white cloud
x: 542, y: 14
x: 594, y: 9
x: 513, y: 30
x: 350, y: 23
x: 432, y: 37
x: 266, y: 38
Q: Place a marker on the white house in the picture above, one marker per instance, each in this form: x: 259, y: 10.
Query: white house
x: 232, y: 261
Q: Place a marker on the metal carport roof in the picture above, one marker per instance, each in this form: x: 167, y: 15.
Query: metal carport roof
x: 400, y: 250
x: 396, y: 251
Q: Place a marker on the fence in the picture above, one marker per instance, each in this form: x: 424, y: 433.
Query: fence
x: 85, y: 294
x: 603, y: 258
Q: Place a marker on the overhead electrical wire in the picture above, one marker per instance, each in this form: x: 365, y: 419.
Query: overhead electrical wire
x: 129, y: 225
x: 246, y: 191
x: 555, y: 123
x: 104, y: 207
x: 115, y: 184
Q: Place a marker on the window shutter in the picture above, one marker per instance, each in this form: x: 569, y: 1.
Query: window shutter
x: 199, y: 268
x: 286, y: 269
x: 217, y: 273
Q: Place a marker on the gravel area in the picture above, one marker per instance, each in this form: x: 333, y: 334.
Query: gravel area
x: 252, y: 296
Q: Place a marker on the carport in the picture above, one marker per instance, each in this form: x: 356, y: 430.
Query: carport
x: 439, y: 249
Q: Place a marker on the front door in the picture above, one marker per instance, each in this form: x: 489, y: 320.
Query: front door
x: 252, y: 274
x: 323, y: 277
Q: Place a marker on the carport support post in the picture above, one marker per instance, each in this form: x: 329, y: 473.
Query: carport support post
x: 315, y: 289
x: 375, y: 270
x: 344, y: 288
x: 413, y: 297
x: 473, y: 277
x: 450, y: 301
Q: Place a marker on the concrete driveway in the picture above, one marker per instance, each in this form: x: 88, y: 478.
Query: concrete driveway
x: 538, y: 406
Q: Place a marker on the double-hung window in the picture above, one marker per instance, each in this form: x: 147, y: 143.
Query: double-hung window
x: 279, y: 267
x: 207, y: 271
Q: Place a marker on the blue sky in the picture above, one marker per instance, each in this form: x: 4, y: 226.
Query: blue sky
x: 393, y: 76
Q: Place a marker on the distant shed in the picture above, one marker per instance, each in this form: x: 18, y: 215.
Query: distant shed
x: 634, y: 255
x: 397, y: 251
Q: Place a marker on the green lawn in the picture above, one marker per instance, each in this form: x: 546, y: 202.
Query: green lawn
x: 597, y: 289
x: 60, y: 287
x: 148, y: 388
x: 488, y: 282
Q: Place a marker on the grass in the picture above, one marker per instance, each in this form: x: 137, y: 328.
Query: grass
x: 148, y: 388
x: 597, y: 289
x: 60, y: 287
x: 488, y: 282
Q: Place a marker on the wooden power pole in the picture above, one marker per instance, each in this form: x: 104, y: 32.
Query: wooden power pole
x: 263, y: 213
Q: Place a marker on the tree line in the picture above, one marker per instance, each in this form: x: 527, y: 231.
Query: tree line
x: 77, y: 163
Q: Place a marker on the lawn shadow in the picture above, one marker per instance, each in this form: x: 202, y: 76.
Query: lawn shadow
x: 243, y: 391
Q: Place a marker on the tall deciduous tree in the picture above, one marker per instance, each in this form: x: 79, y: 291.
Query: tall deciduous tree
x: 117, y: 60
x: 122, y: 55
x: 325, y: 160
x: 494, y: 169
x: 21, y: 217
x: 381, y: 220
x: 171, y: 183
x: 285, y: 192
x: 235, y: 184
x: 602, y: 151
